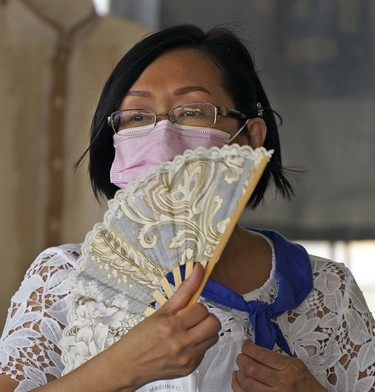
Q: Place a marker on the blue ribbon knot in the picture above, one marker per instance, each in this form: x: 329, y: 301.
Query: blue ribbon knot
x: 294, y: 276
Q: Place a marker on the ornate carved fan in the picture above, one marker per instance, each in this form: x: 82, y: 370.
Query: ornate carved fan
x: 180, y: 213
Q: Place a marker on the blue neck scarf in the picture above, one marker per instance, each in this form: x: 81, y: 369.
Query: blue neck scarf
x: 294, y: 276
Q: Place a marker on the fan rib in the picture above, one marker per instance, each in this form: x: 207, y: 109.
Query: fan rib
x: 166, y: 287
x: 189, y: 268
x: 159, y: 297
x: 177, y: 276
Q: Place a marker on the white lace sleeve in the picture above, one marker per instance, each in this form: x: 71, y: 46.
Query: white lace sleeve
x: 353, y: 360
x: 36, y: 317
x: 333, y: 331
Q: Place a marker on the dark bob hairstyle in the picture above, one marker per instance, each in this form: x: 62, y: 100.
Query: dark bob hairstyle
x: 239, y: 79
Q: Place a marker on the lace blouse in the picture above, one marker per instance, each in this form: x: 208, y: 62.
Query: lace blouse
x: 332, y: 331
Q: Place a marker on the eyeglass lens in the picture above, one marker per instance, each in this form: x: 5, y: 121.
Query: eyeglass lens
x: 199, y: 115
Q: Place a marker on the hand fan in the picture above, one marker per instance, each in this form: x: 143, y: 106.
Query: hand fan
x: 179, y: 213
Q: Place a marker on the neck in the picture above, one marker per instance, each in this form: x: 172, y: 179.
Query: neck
x: 235, y: 245
x: 65, y: 13
x: 245, y: 263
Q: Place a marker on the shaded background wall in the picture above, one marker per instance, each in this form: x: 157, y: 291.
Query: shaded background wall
x: 317, y: 59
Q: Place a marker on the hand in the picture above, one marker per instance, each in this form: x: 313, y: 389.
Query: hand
x: 170, y: 343
x: 263, y: 370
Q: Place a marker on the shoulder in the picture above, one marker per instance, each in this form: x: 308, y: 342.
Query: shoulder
x: 51, y: 268
x: 47, y: 275
x: 63, y: 253
x: 44, y: 281
x: 321, y: 264
x: 58, y: 258
x: 335, y: 284
x: 330, y: 275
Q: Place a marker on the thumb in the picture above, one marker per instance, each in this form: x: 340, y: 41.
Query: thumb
x: 183, y: 294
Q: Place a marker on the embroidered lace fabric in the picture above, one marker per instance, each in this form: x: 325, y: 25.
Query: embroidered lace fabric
x: 332, y: 331
x: 36, y: 317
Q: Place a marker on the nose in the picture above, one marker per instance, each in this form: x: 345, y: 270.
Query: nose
x: 162, y: 116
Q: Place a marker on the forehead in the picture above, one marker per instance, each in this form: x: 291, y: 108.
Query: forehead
x: 181, y: 66
x: 188, y: 58
x: 178, y: 76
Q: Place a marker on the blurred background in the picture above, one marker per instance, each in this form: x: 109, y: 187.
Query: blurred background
x: 316, y: 58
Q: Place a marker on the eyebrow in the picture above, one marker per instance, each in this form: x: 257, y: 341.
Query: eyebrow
x: 177, y: 92
x: 190, y: 89
x: 138, y: 93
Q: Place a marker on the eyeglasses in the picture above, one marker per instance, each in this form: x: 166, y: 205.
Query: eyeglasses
x: 203, y: 114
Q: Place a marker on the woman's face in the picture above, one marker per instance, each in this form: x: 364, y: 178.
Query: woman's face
x: 178, y: 77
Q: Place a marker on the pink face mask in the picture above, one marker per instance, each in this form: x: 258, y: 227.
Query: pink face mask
x: 140, y: 149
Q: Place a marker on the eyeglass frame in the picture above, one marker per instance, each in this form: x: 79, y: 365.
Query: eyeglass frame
x: 219, y: 111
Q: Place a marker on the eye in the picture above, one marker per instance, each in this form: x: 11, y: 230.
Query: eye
x: 199, y: 115
x: 191, y: 112
x: 139, y: 116
x: 136, y: 118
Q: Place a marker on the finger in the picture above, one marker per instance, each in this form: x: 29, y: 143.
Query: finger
x: 244, y: 384
x: 201, y: 327
x: 236, y: 387
x: 193, y: 315
x: 253, y: 373
x: 181, y: 297
x: 206, y: 333
x: 274, y: 370
x: 264, y: 356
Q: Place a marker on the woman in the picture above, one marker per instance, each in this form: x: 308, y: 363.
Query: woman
x: 312, y: 328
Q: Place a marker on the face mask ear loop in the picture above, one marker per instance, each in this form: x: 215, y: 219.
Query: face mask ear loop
x: 239, y: 131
